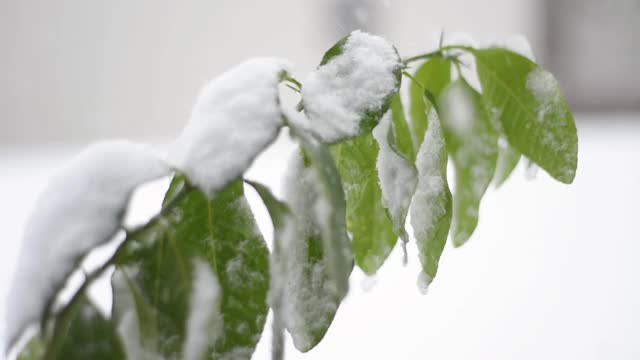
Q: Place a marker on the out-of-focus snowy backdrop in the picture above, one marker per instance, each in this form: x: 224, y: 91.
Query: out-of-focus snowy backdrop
x: 552, y: 271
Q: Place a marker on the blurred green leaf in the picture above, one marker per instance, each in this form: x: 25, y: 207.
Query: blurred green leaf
x: 508, y: 159
x: 433, y: 75
x: 533, y: 113
x: 473, y: 144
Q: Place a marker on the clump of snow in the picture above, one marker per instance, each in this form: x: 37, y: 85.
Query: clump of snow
x: 310, y: 299
x: 235, y: 117
x: 359, y: 80
x: 424, y: 280
x: 429, y: 204
x: 397, y: 177
x: 204, y: 324
x: 81, y: 208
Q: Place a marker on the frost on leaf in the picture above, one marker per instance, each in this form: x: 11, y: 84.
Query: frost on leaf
x: 351, y: 89
x: 431, y: 204
x: 235, y: 117
x: 81, y: 208
x: 204, y: 324
x: 472, y: 142
x: 396, y: 174
x: 311, y: 293
x: 533, y: 114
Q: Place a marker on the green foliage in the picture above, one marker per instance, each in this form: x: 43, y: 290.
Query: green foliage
x: 346, y: 202
x: 531, y: 110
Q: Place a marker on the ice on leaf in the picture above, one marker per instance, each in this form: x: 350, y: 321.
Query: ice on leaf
x: 234, y: 118
x: 472, y: 142
x: 396, y: 174
x: 351, y: 89
x: 81, y: 208
x: 431, y: 204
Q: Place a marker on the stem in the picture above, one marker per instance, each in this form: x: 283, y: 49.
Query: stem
x: 437, y: 53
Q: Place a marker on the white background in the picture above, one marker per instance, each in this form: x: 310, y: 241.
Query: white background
x: 552, y: 271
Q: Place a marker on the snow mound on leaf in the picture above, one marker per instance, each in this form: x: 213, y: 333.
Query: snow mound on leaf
x: 338, y: 94
x: 235, y: 117
x: 81, y: 208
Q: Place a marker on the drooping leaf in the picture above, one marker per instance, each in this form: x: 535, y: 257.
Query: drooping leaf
x: 81, y: 208
x: 433, y: 75
x: 368, y: 222
x: 221, y: 231
x: 90, y: 336
x: 534, y: 115
x: 431, y: 204
x: 473, y: 144
x: 351, y: 89
x: 316, y: 253
x: 403, y: 138
x: 397, y: 177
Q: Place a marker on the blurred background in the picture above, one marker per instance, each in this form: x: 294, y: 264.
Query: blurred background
x: 552, y: 271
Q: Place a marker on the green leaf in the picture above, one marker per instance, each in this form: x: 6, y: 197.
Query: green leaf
x: 508, y: 159
x: 90, y: 336
x: 473, y: 144
x: 533, y: 113
x: 368, y: 222
x: 317, y: 253
x: 352, y: 87
x: 431, y: 204
x: 403, y: 140
x: 433, y: 75
x: 223, y: 232
x: 34, y: 350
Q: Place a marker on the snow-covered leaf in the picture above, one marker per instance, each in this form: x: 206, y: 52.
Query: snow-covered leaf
x: 397, y: 176
x: 351, y: 89
x: 433, y: 75
x: 236, y: 116
x: 90, y: 336
x: 533, y: 113
x: 402, y: 131
x: 316, y: 252
x: 81, y: 208
x: 473, y: 144
x: 431, y: 204
x: 158, y: 261
x: 368, y: 221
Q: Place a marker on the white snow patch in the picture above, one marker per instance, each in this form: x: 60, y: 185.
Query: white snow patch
x: 81, y: 208
x: 429, y: 201
x: 460, y: 112
x: 337, y: 94
x: 204, y: 324
x: 519, y: 44
x: 397, y: 177
x: 235, y: 117
x: 424, y: 280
